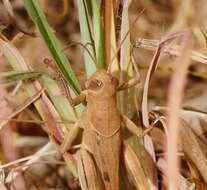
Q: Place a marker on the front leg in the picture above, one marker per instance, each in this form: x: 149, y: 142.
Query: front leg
x: 132, y: 82
x: 79, y: 99
x: 134, y: 129
x: 128, y: 84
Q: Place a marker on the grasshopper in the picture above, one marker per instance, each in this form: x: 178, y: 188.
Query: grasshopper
x: 102, y: 124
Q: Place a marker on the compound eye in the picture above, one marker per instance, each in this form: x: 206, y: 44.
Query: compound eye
x: 95, y: 85
x: 114, y: 81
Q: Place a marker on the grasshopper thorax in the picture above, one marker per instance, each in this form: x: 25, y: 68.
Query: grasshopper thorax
x: 102, y: 84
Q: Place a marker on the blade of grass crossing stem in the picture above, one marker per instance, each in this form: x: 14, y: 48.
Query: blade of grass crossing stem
x: 35, y: 11
x: 98, y: 35
x: 86, y: 36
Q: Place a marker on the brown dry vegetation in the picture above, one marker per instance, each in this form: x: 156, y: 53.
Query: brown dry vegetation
x: 160, y: 18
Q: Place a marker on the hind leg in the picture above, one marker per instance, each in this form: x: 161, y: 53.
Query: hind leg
x: 88, y: 175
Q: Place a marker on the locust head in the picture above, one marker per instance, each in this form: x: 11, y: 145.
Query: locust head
x: 101, y: 85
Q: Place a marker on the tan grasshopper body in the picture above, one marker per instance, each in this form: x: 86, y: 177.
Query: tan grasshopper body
x: 99, y: 160
x: 102, y: 123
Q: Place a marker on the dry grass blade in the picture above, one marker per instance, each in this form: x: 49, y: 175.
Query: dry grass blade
x: 8, y: 7
x: 21, y: 108
x: 193, y: 116
x: 135, y: 169
x: 192, y: 141
x: 2, y: 178
x: 182, y: 181
x: 45, y: 150
x: 193, y: 149
x: 174, y: 105
x: 153, y: 65
x: 3, y: 111
x: 173, y: 50
x: 152, y: 68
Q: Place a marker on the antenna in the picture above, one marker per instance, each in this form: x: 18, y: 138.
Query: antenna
x: 84, y: 46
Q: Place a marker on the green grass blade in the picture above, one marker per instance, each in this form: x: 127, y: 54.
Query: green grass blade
x: 86, y: 36
x: 18, y: 75
x: 98, y: 35
x: 35, y: 11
